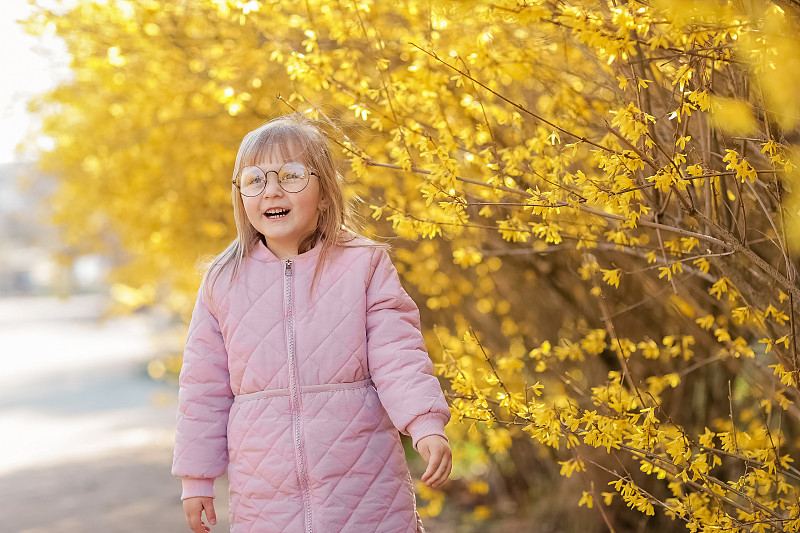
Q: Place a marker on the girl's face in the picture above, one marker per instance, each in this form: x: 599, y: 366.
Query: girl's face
x: 283, y: 233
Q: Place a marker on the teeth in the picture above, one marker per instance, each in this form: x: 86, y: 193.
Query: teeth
x: 276, y: 212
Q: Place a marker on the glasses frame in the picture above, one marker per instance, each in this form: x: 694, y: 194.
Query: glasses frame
x: 278, y: 177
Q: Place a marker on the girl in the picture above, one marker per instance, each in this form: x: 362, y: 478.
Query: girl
x: 303, y: 359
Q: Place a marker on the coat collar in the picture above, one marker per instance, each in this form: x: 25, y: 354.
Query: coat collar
x: 265, y: 255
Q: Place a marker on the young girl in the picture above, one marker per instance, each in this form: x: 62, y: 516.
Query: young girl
x: 303, y: 359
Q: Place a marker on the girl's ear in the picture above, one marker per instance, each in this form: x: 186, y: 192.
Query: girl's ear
x: 323, y: 205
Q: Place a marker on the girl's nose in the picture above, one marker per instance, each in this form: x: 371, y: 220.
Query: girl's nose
x: 272, y: 188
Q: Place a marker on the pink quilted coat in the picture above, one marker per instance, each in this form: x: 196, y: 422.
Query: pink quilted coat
x: 301, y: 398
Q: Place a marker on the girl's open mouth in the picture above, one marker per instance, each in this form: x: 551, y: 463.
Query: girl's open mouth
x: 276, y: 214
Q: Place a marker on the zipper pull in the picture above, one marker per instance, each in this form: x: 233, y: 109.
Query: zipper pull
x: 288, y: 269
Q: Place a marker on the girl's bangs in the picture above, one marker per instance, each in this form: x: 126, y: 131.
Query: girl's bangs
x: 275, y: 145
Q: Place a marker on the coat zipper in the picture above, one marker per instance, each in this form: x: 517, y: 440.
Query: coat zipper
x: 295, y: 396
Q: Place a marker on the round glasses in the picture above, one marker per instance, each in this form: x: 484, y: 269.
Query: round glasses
x: 292, y: 177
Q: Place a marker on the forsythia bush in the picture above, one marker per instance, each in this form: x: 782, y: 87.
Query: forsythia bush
x: 603, y: 195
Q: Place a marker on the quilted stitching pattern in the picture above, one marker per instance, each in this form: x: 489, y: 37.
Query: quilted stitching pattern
x: 358, y: 323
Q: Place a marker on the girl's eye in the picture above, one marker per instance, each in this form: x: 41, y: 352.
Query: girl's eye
x: 252, y: 179
x: 293, y: 171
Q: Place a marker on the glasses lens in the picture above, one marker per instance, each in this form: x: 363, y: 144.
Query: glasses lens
x: 251, y: 181
x: 293, y: 177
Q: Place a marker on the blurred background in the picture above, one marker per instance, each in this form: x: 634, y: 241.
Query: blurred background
x: 87, y: 432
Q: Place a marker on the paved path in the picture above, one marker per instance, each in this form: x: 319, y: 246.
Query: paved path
x: 124, y: 492
x: 87, y: 434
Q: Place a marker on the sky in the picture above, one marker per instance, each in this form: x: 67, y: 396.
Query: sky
x: 28, y: 66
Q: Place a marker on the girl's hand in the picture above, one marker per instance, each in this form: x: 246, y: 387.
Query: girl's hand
x: 193, y: 507
x: 436, y: 452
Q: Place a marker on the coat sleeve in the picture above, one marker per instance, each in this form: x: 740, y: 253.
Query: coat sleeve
x: 398, y: 361
x: 204, y: 402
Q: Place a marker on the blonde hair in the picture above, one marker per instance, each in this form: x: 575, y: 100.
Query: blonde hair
x: 292, y: 138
